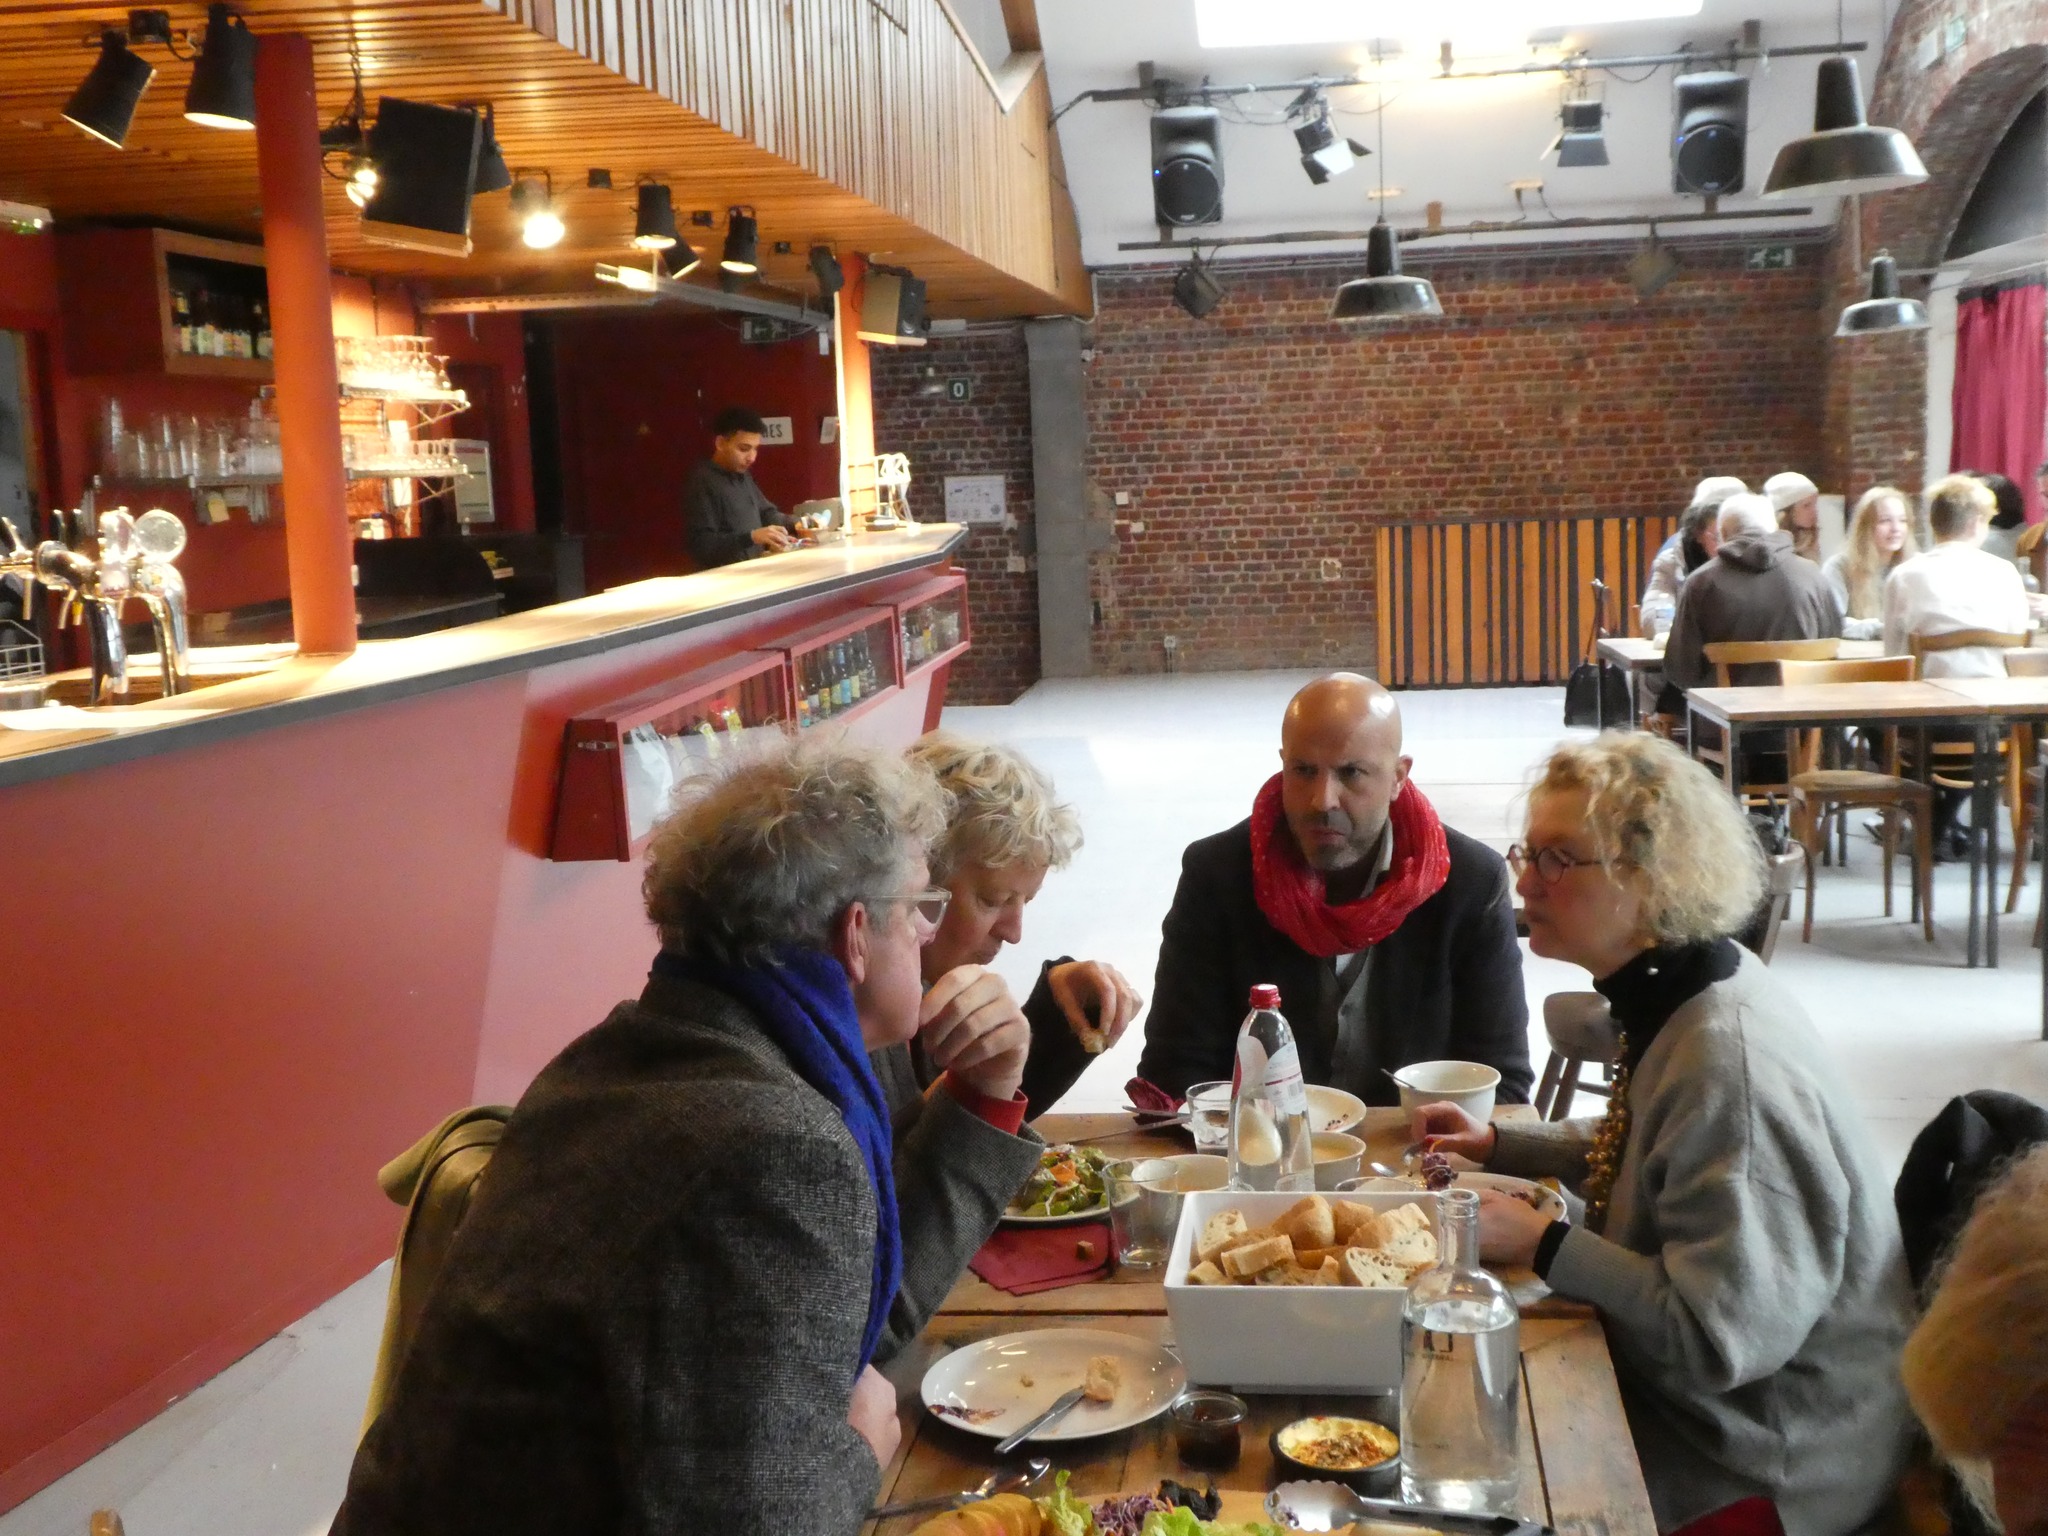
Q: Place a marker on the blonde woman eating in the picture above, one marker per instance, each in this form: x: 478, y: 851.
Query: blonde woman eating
x: 1880, y: 538
x: 1739, y: 1238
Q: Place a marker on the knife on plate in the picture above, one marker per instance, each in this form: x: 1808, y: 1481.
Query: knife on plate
x: 1061, y: 1407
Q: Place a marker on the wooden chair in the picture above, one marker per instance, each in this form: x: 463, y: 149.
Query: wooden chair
x: 1824, y: 795
x: 2027, y: 663
x: 1727, y: 654
x: 1948, y: 765
x: 1581, y: 1030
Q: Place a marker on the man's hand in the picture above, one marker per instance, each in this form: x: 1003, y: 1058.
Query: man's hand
x: 774, y: 538
x: 1096, y: 999
x: 974, y: 1030
x: 1509, y: 1229
x: 873, y: 1414
x: 1447, y: 1128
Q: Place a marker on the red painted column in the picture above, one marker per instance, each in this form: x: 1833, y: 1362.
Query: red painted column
x: 302, y: 336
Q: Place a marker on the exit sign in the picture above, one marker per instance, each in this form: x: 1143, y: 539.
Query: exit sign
x: 1768, y: 258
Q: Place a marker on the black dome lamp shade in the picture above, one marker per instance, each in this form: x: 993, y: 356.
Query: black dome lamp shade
x: 1844, y: 153
x: 105, y: 101
x: 223, y: 89
x: 1884, y: 310
x: 1385, y: 292
x: 492, y: 173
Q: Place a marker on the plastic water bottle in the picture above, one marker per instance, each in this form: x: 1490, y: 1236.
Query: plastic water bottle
x: 1461, y: 1377
x: 1270, y: 1146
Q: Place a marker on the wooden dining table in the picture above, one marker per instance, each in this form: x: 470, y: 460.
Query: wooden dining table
x: 1632, y: 655
x: 1579, y: 1470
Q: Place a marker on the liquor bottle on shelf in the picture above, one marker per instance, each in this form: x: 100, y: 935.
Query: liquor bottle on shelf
x: 870, y: 678
x: 856, y: 684
x: 181, y: 318
x: 843, y: 658
x: 803, y: 704
x: 259, y: 313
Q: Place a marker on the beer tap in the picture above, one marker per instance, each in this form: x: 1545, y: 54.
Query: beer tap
x: 133, y: 560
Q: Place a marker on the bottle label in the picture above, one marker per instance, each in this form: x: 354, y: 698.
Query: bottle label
x: 1284, y: 1085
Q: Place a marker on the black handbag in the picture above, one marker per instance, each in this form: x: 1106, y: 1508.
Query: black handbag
x: 1593, y: 693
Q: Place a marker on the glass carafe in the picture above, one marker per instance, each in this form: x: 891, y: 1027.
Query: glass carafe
x: 1461, y: 1374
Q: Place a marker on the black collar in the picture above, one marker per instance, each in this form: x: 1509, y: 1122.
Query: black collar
x: 1645, y: 993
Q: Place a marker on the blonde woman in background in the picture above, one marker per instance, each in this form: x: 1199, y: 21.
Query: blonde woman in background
x: 1880, y: 537
x: 1976, y: 1368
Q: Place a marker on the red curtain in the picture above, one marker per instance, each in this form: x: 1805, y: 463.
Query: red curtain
x: 2001, y: 392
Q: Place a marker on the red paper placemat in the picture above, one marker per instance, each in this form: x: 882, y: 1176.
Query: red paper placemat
x: 1022, y: 1260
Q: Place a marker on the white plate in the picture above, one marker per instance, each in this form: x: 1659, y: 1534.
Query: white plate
x: 1548, y: 1202
x: 1098, y: 1213
x: 989, y: 1381
x: 1332, y: 1109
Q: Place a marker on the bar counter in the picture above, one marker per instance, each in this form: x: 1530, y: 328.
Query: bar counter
x: 260, y: 937
x: 306, y: 687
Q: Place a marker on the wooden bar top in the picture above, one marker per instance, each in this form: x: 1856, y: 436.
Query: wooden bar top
x: 295, y: 687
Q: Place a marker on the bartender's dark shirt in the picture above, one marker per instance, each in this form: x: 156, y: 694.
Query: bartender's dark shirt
x: 721, y: 512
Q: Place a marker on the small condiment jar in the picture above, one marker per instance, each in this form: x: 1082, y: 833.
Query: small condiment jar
x: 1206, y: 1426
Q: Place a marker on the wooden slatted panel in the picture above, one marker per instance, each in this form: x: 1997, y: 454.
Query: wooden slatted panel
x: 1487, y: 602
x: 834, y: 124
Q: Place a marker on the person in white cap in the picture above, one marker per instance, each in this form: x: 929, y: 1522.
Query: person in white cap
x: 1796, y: 500
x: 1689, y: 548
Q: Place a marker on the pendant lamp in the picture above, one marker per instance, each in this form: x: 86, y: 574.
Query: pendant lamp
x: 1884, y: 310
x: 492, y: 173
x: 1385, y: 292
x: 1844, y: 153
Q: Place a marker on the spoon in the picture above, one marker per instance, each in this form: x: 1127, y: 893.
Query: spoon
x: 988, y: 1487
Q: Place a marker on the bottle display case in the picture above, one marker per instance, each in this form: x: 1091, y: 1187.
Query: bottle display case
x: 934, y: 623
x: 621, y: 765
x: 840, y: 669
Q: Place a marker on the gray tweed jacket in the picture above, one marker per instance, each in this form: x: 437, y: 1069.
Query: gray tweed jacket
x: 651, y: 1317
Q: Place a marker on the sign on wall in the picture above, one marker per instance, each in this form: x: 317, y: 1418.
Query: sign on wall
x: 974, y: 499
x: 777, y: 432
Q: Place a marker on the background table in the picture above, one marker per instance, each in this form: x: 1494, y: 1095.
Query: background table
x: 1633, y: 656
x: 1580, y: 1473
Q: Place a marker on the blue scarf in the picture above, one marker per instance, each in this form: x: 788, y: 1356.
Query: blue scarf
x: 805, y: 1004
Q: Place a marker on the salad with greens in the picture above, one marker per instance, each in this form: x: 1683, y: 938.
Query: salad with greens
x: 1067, y: 1182
x: 1175, y: 1510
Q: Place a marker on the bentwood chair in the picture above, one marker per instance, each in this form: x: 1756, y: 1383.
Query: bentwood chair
x: 1581, y: 1030
x: 1821, y: 796
x: 2029, y: 663
x: 1948, y: 762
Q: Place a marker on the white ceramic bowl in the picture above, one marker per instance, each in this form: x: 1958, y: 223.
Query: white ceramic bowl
x: 1338, y: 1157
x: 1191, y: 1172
x: 1332, y: 1109
x: 1468, y: 1084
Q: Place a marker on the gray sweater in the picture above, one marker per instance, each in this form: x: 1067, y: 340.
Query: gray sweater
x: 1751, y: 1277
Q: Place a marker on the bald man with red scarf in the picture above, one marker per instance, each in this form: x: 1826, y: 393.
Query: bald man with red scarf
x: 1390, y: 937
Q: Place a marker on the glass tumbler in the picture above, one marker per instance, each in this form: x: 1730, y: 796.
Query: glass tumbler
x: 1209, y: 1115
x: 1144, y: 1209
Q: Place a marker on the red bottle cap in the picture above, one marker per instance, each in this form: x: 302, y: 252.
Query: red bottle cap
x: 1266, y: 995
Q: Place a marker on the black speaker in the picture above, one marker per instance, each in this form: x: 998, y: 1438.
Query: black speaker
x: 1187, y: 165
x: 1710, y: 133
x: 426, y: 173
x: 892, y: 312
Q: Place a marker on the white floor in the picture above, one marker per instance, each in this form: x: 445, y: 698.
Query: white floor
x: 1152, y: 763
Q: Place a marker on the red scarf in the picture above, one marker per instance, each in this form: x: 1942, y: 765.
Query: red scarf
x: 1290, y: 893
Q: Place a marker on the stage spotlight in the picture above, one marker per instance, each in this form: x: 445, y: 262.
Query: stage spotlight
x: 492, y: 174
x: 742, y: 242
x: 361, y: 177
x: 533, y: 205
x: 105, y: 101
x: 1582, y: 141
x: 826, y: 269
x: 1323, y: 153
x: 681, y: 259
x: 654, y: 218
x: 1651, y: 269
x: 223, y: 89
x: 1195, y: 289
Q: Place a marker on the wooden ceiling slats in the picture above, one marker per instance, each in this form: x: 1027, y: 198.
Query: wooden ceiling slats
x: 833, y: 123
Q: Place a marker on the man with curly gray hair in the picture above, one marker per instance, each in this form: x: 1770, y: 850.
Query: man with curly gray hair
x: 701, y: 1229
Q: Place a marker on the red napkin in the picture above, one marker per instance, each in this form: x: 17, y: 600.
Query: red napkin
x: 1022, y: 1260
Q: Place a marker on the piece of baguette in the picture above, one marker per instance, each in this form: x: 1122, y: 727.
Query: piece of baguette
x: 1226, y: 1229
x: 1249, y: 1258
x: 1405, y: 1218
x: 1364, y: 1266
x: 1104, y: 1376
x: 1314, y: 1256
x: 1349, y: 1219
x: 1308, y: 1223
x: 1412, y: 1250
x: 1206, y: 1273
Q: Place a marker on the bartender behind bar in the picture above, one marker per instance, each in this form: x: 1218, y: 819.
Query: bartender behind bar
x: 726, y: 516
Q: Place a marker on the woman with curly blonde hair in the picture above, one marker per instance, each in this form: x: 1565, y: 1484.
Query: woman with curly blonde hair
x: 1739, y: 1238
x: 1880, y: 538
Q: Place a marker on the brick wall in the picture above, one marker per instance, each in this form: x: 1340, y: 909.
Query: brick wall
x: 988, y: 435
x: 1264, y: 440
x: 1955, y: 112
